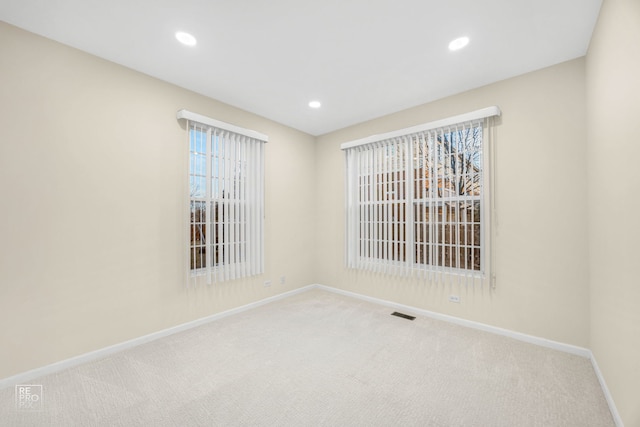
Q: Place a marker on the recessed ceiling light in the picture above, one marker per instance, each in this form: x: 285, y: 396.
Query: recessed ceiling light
x: 186, y: 38
x: 459, y: 43
x: 315, y: 104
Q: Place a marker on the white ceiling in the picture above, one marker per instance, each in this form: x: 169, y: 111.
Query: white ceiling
x: 361, y: 58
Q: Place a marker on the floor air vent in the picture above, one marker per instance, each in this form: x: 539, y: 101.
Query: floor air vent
x: 404, y: 316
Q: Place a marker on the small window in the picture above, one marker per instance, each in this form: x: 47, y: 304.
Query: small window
x: 226, y: 203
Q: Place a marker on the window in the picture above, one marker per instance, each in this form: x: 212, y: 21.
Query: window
x: 417, y: 199
x: 226, y: 200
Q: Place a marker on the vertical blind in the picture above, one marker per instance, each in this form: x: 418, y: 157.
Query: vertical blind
x: 416, y: 200
x: 226, y: 200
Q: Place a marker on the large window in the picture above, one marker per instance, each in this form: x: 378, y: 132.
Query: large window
x: 416, y: 199
x: 226, y: 201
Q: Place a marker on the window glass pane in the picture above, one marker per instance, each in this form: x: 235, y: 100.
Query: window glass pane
x: 198, y: 235
x: 198, y: 187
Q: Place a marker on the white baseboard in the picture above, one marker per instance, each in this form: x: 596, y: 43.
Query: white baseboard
x: 567, y: 348
x: 607, y: 394
x: 25, y: 377
x: 555, y: 345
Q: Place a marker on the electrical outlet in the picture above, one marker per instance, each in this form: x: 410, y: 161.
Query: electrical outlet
x: 283, y: 279
x: 267, y: 283
x: 454, y: 298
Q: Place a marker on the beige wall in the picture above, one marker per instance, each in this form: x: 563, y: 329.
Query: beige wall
x: 92, y: 181
x: 613, y: 88
x: 542, y: 281
x: 92, y: 187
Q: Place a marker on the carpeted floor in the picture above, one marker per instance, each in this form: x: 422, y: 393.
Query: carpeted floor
x: 322, y: 359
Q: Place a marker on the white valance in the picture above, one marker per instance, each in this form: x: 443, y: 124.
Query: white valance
x: 449, y: 121
x: 195, y: 117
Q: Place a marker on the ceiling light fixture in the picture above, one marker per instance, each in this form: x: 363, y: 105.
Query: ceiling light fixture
x: 459, y: 43
x: 186, y: 38
x: 315, y: 104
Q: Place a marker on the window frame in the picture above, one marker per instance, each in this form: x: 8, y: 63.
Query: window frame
x: 231, y: 159
x: 357, y: 256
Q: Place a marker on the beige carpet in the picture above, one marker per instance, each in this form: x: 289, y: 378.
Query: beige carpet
x: 322, y: 359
